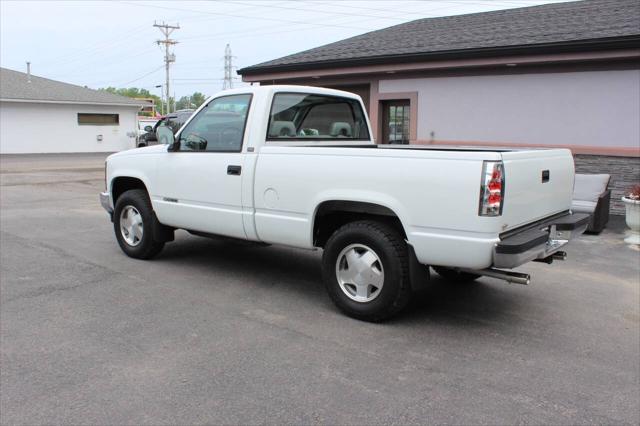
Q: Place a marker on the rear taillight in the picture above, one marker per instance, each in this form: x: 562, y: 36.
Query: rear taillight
x: 491, y: 189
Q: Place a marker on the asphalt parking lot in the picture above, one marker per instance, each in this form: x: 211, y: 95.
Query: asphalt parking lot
x: 220, y: 332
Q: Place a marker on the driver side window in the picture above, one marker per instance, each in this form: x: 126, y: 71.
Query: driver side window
x: 218, y: 127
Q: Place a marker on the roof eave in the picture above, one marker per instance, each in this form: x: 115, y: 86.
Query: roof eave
x: 623, y: 42
x: 48, y: 101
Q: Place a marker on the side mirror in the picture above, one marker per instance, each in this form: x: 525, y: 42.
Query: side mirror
x: 148, y: 129
x: 165, y: 136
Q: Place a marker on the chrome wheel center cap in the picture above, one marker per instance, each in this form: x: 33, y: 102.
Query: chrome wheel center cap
x: 131, y: 227
x: 359, y: 273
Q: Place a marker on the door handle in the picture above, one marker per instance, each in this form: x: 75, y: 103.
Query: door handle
x: 234, y: 170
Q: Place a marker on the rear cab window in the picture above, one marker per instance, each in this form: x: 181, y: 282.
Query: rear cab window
x: 306, y: 116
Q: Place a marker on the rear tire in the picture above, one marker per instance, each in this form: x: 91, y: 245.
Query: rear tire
x: 366, y: 270
x: 133, y: 224
x: 452, y: 275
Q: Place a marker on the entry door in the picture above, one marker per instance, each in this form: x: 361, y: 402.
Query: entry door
x: 395, y: 121
x: 200, y: 184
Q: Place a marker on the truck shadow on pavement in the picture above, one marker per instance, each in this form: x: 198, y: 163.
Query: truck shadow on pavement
x: 248, y: 264
x: 298, y: 272
x: 483, y: 301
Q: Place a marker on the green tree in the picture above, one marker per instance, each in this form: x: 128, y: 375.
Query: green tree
x: 197, y: 99
x: 184, y: 103
x: 134, y: 92
x: 191, y: 102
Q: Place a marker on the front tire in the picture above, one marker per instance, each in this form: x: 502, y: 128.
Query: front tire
x: 133, y: 225
x: 366, y: 270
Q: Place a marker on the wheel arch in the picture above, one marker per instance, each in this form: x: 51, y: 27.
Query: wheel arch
x: 330, y: 215
x: 123, y: 183
x: 120, y: 184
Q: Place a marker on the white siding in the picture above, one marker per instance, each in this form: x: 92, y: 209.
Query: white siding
x: 50, y: 128
x: 574, y: 108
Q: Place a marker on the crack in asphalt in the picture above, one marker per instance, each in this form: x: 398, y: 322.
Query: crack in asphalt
x: 57, y: 182
x: 58, y: 170
x: 41, y: 291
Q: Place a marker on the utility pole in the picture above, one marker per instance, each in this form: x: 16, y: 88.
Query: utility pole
x: 228, y: 68
x: 166, y: 30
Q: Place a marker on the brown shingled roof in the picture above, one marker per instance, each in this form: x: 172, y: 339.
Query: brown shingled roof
x: 546, y: 28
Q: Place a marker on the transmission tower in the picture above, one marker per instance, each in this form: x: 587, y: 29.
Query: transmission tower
x: 228, y: 68
x: 166, y: 30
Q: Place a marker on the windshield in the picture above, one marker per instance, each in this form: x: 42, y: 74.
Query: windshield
x: 219, y: 126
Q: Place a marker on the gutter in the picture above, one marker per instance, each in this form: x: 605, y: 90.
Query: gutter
x: 624, y: 42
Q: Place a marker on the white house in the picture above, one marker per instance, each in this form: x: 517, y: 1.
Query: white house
x: 38, y: 115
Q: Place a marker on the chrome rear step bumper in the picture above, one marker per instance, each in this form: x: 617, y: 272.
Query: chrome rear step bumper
x: 540, y: 242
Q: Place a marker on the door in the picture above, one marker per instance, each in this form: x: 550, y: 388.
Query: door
x: 200, y: 182
x: 395, y: 121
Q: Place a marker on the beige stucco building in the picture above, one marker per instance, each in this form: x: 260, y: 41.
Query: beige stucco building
x: 556, y: 75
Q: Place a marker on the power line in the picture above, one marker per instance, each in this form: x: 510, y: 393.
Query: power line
x: 103, y: 45
x: 272, y: 6
x: 111, y: 43
x: 249, y: 35
x: 412, y: 14
x: 82, y: 69
x: 303, y: 27
x: 220, y: 35
x: 253, y: 30
x: 95, y: 49
x: 264, y: 18
x: 143, y: 76
x: 199, y: 84
x: 131, y: 81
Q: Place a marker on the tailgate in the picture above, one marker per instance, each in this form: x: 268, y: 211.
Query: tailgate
x: 538, y: 183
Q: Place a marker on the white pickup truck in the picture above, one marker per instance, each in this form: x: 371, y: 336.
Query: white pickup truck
x: 297, y: 166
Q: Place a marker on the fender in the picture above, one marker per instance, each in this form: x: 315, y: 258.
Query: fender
x: 369, y: 197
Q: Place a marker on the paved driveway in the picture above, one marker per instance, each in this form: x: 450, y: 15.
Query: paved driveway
x: 218, y: 332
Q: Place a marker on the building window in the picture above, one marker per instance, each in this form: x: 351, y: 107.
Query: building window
x: 98, y: 119
x: 395, y: 122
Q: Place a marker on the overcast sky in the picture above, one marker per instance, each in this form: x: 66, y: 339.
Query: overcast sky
x: 112, y: 43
